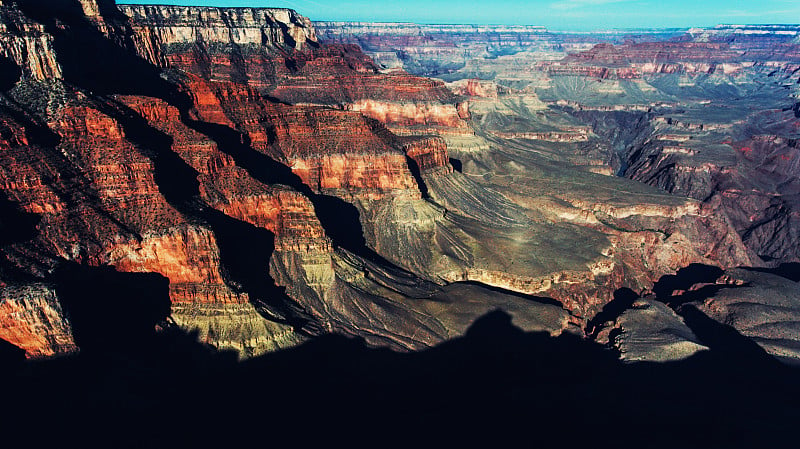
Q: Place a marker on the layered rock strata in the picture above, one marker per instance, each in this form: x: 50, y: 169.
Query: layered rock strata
x: 33, y: 320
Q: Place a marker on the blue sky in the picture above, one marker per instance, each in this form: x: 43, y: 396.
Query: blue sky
x: 554, y: 14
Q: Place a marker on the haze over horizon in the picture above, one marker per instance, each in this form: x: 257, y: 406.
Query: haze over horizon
x: 578, y: 15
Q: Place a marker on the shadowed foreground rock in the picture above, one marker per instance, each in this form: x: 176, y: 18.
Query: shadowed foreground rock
x: 495, y: 385
x: 765, y: 308
x: 650, y: 331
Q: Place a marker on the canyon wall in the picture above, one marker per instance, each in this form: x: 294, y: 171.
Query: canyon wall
x: 281, y: 187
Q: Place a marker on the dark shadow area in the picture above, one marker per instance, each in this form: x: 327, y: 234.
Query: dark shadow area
x: 77, y: 43
x: 625, y: 132
x: 237, y: 145
x: 623, y: 300
x: 128, y: 378
x: 245, y: 251
x: 725, y: 340
x: 176, y: 180
x: 413, y: 167
x: 11, y: 356
x: 538, y: 299
x: 16, y: 225
x: 342, y: 223
x: 699, y: 295
x: 110, y: 310
x: 65, y: 9
x: 340, y: 219
x: 496, y: 386
x: 276, y: 100
x: 686, y: 278
x: 456, y: 164
x: 789, y: 271
x: 10, y: 73
x: 238, y: 72
x: 37, y: 134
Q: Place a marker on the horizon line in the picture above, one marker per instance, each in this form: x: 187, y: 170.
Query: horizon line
x: 562, y: 29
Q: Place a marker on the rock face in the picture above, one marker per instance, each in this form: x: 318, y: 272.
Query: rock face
x: 34, y: 321
x: 651, y: 331
x: 607, y: 61
x: 176, y: 26
x: 763, y: 307
x: 26, y: 44
x: 753, y: 181
x: 282, y: 187
x: 258, y: 46
x: 288, y: 64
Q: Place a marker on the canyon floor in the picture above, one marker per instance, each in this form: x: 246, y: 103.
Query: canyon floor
x: 240, y: 225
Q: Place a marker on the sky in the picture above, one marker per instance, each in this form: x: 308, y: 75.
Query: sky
x: 561, y: 15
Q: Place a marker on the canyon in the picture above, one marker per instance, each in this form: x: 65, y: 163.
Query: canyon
x: 241, y: 191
